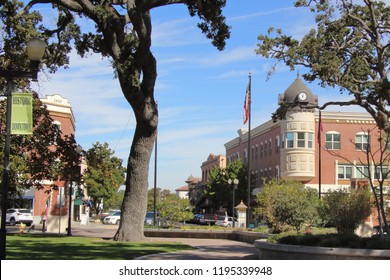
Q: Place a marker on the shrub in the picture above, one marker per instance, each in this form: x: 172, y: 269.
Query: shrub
x: 287, y: 204
x: 173, y: 209
x: 346, y: 210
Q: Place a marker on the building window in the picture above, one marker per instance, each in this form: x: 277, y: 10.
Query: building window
x: 257, y: 152
x: 290, y: 140
x: 59, y: 127
x: 270, y: 147
x: 277, y: 172
x: 362, y: 141
x: 332, y: 141
x: 310, y: 140
x: 344, y: 172
x: 265, y: 149
x: 261, y: 150
x: 362, y: 171
x: 277, y: 144
x: 301, y: 139
x: 381, y: 173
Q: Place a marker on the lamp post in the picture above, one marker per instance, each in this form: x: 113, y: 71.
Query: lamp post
x: 235, y: 185
x: 35, y: 51
x: 74, y: 171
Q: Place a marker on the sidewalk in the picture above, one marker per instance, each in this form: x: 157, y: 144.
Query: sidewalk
x: 207, y: 249
x: 204, y: 249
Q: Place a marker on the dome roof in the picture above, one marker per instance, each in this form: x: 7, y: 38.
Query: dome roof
x: 292, y: 93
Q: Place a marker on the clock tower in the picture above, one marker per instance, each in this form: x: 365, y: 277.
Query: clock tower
x: 298, y: 140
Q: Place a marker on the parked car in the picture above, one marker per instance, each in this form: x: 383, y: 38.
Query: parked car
x: 149, y: 218
x: 109, y: 213
x: 376, y: 228
x: 226, y: 221
x: 17, y: 216
x: 208, y: 219
x: 113, y: 219
x: 196, y: 219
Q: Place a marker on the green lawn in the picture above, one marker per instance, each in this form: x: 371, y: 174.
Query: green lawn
x: 46, y: 247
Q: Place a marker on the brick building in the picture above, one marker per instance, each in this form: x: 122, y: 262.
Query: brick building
x: 296, y: 148
x: 53, y: 204
x: 211, y: 162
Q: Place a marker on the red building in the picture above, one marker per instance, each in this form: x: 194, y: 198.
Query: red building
x: 326, y: 155
x: 53, y: 205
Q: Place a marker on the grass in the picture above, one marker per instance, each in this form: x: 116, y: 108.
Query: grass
x: 46, y: 247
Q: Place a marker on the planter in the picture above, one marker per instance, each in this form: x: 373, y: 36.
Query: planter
x: 272, y: 251
x: 248, y: 237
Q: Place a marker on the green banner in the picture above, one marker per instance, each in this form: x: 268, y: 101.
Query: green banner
x: 21, y: 119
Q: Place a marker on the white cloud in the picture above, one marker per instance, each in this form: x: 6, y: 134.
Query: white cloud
x: 261, y: 14
x: 228, y: 56
x: 177, y: 32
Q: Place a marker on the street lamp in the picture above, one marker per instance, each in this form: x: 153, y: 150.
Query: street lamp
x: 235, y: 185
x: 75, y: 170
x: 35, y: 51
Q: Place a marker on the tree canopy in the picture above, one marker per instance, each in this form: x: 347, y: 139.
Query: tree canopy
x: 219, y: 192
x: 122, y: 31
x: 104, y: 175
x: 349, y: 48
x: 34, y: 159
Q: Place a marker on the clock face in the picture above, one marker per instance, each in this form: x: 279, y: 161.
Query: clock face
x: 302, y: 96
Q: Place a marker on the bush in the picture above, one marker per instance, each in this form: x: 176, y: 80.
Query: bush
x: 346, y: 210
x: 287, y: 204
x: 174, y: 210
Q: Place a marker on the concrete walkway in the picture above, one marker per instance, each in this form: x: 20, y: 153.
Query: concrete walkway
x: 207, y: 249
x: 204, y: 249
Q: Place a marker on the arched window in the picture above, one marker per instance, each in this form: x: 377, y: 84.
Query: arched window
x: 256, y: 152
x: 277, y: 172
x: 277, y: 144
x: 261, y: 150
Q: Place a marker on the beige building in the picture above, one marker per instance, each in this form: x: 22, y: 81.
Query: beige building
x: 211, y: 162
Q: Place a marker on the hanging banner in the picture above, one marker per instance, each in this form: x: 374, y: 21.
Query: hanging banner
x: 21, y: 113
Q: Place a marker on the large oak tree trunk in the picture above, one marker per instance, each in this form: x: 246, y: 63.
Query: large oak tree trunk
x: 134, y: 204
x: 141, y: 99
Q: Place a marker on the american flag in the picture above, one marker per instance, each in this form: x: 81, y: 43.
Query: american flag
x: 320, y: 129
x: 247, y: 102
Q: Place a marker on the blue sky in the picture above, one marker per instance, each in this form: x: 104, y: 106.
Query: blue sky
x: 200, y: 90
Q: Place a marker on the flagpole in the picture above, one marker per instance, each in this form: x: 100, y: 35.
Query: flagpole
x: 249, y: 151
x: 319, y: 154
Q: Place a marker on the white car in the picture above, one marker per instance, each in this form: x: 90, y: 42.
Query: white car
x: 149, y: 218
x: 226, y: 221
x: 15, y: 216
x: 113, y: 219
